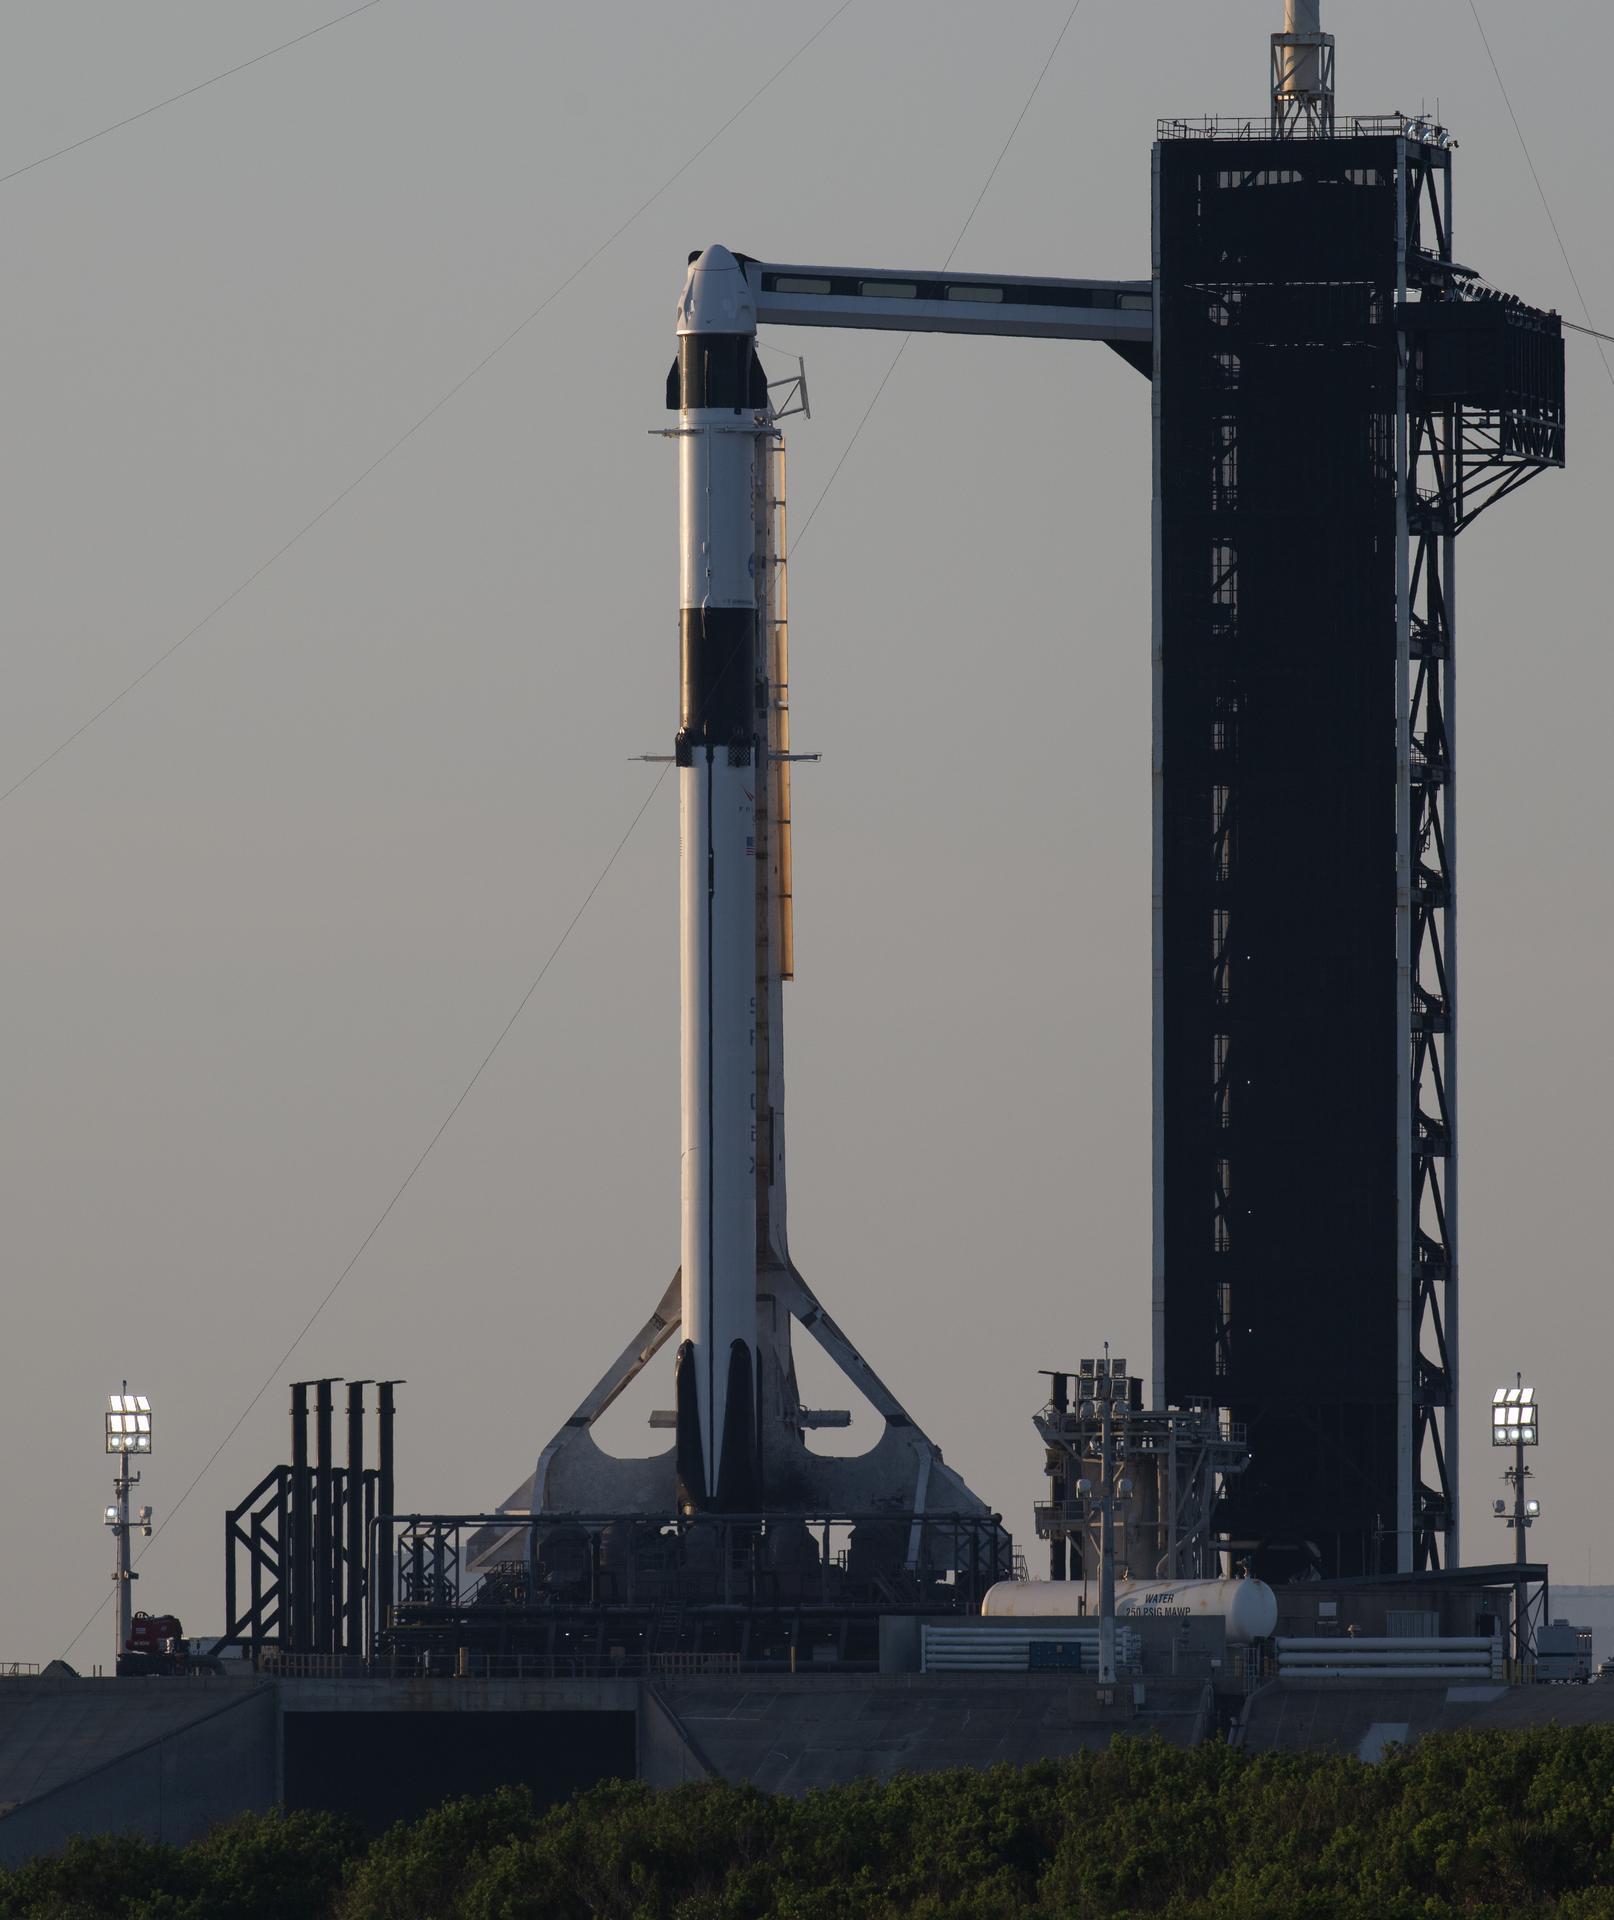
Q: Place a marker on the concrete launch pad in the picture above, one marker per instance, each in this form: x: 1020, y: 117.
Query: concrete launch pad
x: 167, y: 1759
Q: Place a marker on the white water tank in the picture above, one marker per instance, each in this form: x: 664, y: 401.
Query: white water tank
x: 1249, y: 1607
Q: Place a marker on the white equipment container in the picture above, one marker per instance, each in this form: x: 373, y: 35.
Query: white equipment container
x: 1249, y: 1607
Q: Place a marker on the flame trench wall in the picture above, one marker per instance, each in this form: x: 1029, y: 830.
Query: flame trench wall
x: 1276, y: 1035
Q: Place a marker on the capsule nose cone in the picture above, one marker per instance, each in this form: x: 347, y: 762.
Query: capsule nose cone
x: 716, y: 296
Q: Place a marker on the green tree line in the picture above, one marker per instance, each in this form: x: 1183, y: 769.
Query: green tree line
x: 1478, y: 1825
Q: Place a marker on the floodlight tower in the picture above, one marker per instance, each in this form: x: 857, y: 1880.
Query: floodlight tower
x: 1516, y: 1423
x: 128, y: 1432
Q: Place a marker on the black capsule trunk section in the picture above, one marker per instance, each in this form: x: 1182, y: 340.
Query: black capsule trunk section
x: 717, y: 370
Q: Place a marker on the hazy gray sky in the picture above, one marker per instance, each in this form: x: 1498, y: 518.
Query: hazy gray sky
x: 267, y: 915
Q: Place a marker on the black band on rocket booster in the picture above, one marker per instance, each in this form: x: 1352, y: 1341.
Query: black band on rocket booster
x: 719, y: 670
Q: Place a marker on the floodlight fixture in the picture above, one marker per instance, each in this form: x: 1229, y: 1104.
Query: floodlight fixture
x: 1515, y: 1417
x: 128, y: 1423
x: 111, y: 1516
x: 1532, y: 1509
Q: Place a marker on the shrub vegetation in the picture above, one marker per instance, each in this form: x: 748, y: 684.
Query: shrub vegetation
x: 1479, y: 1825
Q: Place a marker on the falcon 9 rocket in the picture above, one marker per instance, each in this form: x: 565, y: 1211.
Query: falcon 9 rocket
x: 724, y: 429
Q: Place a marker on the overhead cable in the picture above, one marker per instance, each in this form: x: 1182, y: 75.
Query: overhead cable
x: 435, y: 408
x: 201, y: 85
x: 1546, y: 206
x: 403, y: 1187
x: 902, y: 345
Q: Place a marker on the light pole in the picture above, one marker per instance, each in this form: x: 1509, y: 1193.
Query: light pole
x: 1516, y: 1423
x: 128, y: 1431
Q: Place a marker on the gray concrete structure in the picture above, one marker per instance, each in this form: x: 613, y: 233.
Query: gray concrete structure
x: 162, y: 1758
x: 1366, y: 1717
x: 169, y: 1758
x: 787, y: 1735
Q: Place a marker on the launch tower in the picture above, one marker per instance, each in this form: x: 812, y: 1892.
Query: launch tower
x: 1335, y: 399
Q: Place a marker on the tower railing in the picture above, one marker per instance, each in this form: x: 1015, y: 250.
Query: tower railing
x: 1356, y: 126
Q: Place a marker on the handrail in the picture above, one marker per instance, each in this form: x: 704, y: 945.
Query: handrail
x: 1261, y: 127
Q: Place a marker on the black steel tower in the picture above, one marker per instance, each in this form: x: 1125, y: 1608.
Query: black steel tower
x: 1335, y: 398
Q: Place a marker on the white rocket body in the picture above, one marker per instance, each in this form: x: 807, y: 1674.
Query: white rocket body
x: 721, y: 757
x: 717, y: 946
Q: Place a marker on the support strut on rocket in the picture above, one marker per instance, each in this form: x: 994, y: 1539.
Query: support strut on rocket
x: 719, y: 388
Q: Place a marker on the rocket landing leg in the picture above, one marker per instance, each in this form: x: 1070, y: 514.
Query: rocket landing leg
x: 903, y: 1472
